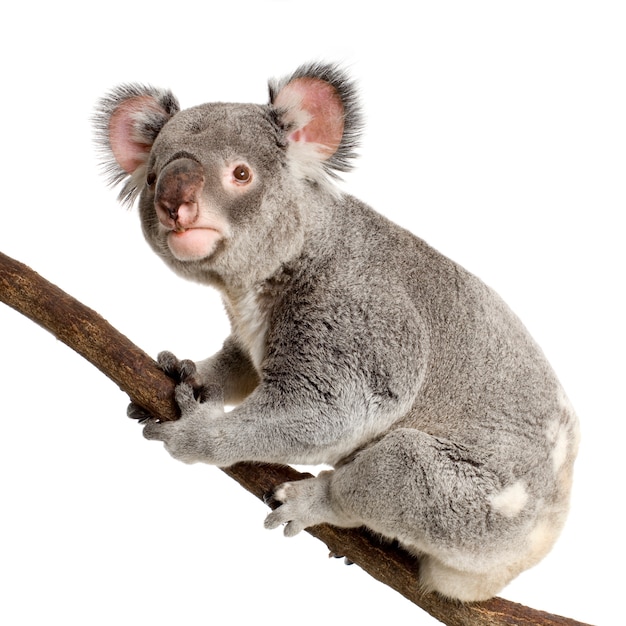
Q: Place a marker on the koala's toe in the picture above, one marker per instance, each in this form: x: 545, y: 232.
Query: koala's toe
x: 154, y: 430
x: 293, y: 528
x: 168, y: 362
x: 274, y: 519
x: 284, y: 515
x: 185, y: 397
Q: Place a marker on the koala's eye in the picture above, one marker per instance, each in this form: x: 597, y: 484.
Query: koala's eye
x: 151, y: 179
x: 242, y: 174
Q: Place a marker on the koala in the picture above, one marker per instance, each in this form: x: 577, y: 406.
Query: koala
x: 353, y: 342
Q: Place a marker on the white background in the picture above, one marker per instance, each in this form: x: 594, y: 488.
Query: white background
x: 495, y: 130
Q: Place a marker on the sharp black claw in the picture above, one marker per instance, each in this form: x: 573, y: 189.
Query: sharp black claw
x: 186, y: 370
x: 270, y: 500
x: 135, y: 412
x: 346, y: 560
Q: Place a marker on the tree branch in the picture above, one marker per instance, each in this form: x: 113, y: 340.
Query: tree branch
x: 138, y: 375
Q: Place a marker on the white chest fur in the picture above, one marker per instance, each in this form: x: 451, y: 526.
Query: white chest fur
x: 249, y: 320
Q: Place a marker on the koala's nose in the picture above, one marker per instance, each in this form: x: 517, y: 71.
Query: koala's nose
x: 178, y: 192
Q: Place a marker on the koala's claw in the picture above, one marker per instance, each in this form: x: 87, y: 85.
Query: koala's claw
x: 346, y: 560
x: 136, y: 412
x: 180, y: 370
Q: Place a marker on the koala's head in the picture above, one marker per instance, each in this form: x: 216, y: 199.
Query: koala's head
x: 224, y: 189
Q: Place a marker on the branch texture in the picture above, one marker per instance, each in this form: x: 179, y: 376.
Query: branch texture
x: 138, y: 375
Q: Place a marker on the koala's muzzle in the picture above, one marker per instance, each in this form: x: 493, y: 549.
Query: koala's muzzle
x: 178, y: 191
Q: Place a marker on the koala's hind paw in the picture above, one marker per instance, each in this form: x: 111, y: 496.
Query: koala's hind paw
x: 292, y: 512
x: 304, y: 503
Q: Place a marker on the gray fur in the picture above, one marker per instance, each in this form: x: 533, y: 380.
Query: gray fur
x: 354, y: 344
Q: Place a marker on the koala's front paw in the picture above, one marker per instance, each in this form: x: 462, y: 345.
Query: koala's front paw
x: 181, y: 371
x: 191, y: 438
x: 304, y: 503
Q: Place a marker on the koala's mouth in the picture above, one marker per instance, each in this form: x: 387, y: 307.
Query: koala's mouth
x: 193, y: 244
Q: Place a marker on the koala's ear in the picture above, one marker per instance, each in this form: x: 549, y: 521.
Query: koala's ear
x: 318, y: 109
x: 127, y: 121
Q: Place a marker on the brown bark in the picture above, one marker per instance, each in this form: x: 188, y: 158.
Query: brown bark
x: 139, y: 376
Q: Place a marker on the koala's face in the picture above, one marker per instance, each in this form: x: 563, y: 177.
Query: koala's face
x: 206, y: 180
x: 225, y: 189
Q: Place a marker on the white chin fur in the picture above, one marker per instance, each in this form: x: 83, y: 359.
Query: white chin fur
x: 193, y: 244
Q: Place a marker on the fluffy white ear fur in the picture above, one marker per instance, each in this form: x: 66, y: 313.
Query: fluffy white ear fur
x: 129, y: 144
x: 313, y: 113
x: 127, y: 122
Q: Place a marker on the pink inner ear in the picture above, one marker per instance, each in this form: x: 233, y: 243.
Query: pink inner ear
x: 129, y: 152
x: 323, y: 105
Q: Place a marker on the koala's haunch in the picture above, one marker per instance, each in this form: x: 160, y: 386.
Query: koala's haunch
x: 353, y: 342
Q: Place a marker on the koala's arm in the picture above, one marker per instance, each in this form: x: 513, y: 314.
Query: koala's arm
x: 231, y: 370
x: 315, y: 403
x: 275, y: 424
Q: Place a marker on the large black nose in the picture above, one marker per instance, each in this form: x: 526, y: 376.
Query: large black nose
x: 180, y: 182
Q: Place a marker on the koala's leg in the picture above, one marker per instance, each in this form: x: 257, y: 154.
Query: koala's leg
x: 472, y: 532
